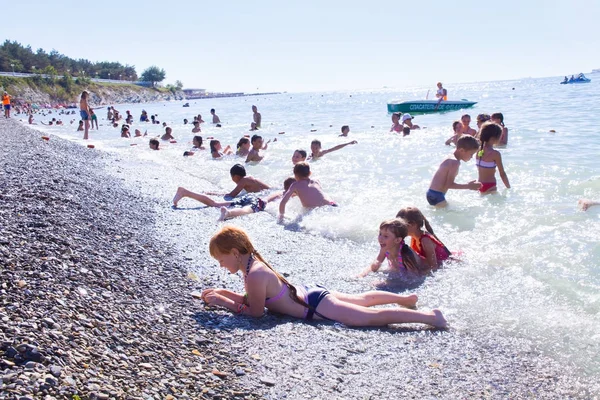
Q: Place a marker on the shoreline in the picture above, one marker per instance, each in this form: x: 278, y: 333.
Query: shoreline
x: 94, y: 303
x: 299, y: 360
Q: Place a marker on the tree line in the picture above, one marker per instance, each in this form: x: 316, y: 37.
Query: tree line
x: 15, y: 57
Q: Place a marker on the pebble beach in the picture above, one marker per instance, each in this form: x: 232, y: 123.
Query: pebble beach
x: 95, y: 302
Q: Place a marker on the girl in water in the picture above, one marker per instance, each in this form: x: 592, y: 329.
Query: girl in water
x: 217, y: 151
x: 243, y: 147
x: 425, y: 244
x: 488, y: 159
x: 498, y: 118
x: 396, y: 125
x: 392, y: 246
x: 265, y: 287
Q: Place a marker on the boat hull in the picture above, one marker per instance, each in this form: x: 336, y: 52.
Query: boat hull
x: 427, y: 106
x: 572, y: 82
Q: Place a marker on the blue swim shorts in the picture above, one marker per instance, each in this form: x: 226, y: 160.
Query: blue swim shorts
x: 434, y: 197
x: 84, y: 115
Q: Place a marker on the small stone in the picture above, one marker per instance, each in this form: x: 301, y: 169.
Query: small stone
x: 21, y: 283
x: 220, y: 374
x: 239, y: 372
x: 30, y: 365
x: 146, y: 365
x: 267, y: 381
x: 196, y: 352
x: 55, y: 370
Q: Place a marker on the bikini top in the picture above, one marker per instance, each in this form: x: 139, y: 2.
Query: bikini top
x: 399, y: 259
x: 279, y: 295
x: 484, y: 164
x: 397, y: 128
x: 441, y: 252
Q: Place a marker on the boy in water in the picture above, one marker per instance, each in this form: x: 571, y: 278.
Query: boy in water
x: 309, y: 191
x: 215, y: 117
x: 465, y: 128
x: 167, y: 135
x: 154, y: 144
x: 257, y: 146
x: 238, y: 174
x: 345, y: 130
x: 298, y: 156
x: 466, y: 147
x: 315, y: 147
x: 457, y: 128
x: 256, y: 117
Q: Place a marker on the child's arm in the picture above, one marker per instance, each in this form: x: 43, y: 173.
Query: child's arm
x: 285, y: 199
x: 266, y: 144
x: 238, y: 188
x: 501, y: 171
x: 451, y: 172
x: 339, y: 146
x: 254, y: 156
x: 452, y: 139
x: 274, y: 196
x: 375, y: 265
x: 429, y: 250
x: 584, y: 204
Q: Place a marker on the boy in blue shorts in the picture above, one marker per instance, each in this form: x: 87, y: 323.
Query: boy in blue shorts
x: 443, y: 179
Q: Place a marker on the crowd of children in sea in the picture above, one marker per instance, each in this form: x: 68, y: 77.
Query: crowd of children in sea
x: 267, y: 288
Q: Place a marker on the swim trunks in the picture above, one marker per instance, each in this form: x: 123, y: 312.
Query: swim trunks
x: 84, y: 115
x: 434, y: 197
x: 94, y: 117
x: 7, y: 106
x: 249, y: 200
x: 314, y: 295
x: 486, y: 186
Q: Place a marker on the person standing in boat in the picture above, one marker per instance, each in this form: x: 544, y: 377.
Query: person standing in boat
x: 441, y: 94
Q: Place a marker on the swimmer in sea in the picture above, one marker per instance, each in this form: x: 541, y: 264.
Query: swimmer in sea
x: 308, y: 190
x: 243, y: 147
x: 489, y: 159
x: 443, y: 180
x: 257, y: 146
x: 498, y: 118
x: 315, y: 147
x: 265, y: 287
x: 215, y: 117
x: 407, y: 120
x: 396, y: 125
x: 345, y: 131
x: 465, y: 120
x: 167, y: 135
x: 246, y: 183
x: 196, y: 128
x: 256, y: 117
x: 457, y: 128
x: 154, y: 144
x: 217, y: 151
x: 299, y: 156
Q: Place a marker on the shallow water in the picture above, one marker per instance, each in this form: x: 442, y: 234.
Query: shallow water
x: 531, y: 261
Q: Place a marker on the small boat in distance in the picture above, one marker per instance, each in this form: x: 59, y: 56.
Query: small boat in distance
x: 427, y: 106
x: 580, y: 79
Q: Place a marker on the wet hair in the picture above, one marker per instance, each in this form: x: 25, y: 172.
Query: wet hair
x: 317, y: 142
x: 288, y: 182
x: 242, y: 141
x: 397, y: 114
x: 84, y: 94
x: 465, y: 116
x: 185, y: 121
x: 489, y: 130
x: 302, y: 152
x: 399, y: 228
x: 168, y: 129
x: 455, y: 124
x: 467, y: 142
x: 238, y: 169
x: 213, y: 145
x: 413, y: 215
x: 483, y: 118
x: 197, y: 139
x: 212, y: 110
x: 155, y: 143
x: 406, y: 130
x: 302, y: 170
x: 345, y: 127
x: 232, y: 237
x: 499, y: 117
x: 255, y: 138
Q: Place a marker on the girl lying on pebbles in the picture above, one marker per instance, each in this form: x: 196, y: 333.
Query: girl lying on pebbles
x: 265, y: 287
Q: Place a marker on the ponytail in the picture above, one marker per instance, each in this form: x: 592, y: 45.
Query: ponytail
x: 430, y: 230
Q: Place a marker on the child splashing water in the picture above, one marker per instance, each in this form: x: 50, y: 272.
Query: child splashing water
x: 392, y: 246
x: 425, y: 244
x: 265, y: 287
x: 488, y: 159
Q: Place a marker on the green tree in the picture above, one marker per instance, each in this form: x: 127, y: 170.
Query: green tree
x: 154, y: 75
x: 178, y: 85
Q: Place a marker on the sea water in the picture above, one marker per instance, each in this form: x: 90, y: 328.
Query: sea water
x: 530, y: 259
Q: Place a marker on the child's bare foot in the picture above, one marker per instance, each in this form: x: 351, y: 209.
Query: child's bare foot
x: 224, y: 214
x: 409, y: 301
x: 178, y: 196
x: 439, y: 320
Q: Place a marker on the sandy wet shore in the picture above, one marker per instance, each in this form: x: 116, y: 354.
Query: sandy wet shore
x: 98, y: 304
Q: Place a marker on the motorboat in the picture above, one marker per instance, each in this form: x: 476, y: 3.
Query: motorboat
x: 428, y: 106
x: 580, y: 79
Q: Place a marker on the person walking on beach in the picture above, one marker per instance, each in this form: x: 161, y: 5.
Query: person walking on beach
x: 256, y: 117
x: 444, y: 177
x: 265, y: 287
x: 6, y: 104
x: 84, y: 112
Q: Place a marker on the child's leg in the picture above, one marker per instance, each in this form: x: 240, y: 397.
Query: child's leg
x: 377, y: 297
x: 355, y: 315
x: 227, y: 213
x: 441, y: 204
x: 181, y: 193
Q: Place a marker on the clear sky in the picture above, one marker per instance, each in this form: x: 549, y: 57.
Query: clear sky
x: 318, y: 45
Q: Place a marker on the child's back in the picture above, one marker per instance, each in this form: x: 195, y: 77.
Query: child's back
x: 310, y: 193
